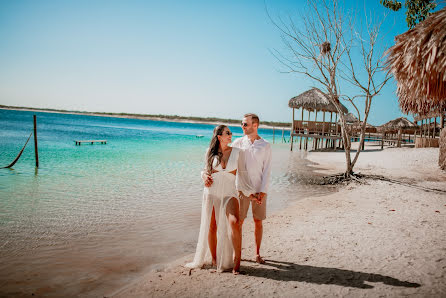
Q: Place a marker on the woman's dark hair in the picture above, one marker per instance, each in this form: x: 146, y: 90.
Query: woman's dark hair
x: 214, y: 147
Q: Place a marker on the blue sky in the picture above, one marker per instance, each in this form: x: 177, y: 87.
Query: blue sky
x: 190, y: 58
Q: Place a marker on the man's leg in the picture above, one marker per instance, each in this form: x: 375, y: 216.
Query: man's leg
x: 244, y: 206
x: 258, y: 233
x: 259, y: 214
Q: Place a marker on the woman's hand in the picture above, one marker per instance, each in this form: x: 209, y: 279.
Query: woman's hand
x: 208, y: 180
x: 254, y: 198
x: 261, y: 197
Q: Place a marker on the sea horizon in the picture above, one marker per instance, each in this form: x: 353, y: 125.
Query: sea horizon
x: 159, y: 117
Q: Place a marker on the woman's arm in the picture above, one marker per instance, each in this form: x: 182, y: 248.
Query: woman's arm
x: 207, y: 179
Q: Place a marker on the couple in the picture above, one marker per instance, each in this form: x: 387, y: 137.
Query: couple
x: 234, y: 177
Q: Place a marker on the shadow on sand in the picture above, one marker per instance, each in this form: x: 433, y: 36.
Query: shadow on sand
x: 285, y: 271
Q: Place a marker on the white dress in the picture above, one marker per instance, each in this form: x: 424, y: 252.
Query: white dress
x: 217, y: 196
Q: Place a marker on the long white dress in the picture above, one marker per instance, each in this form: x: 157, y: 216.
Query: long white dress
x: 217, y: 196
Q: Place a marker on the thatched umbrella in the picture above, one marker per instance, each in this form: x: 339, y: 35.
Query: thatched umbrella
x: 314, y: 100
x: 398, y: 124
x: 418, y: 62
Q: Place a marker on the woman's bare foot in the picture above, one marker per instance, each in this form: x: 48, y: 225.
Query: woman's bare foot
x: 260, y: 260
x: 236, y: 269
x: 214, y: 263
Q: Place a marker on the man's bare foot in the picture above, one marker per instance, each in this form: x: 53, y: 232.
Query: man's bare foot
x: 236, y: 272
x: 260, y: 260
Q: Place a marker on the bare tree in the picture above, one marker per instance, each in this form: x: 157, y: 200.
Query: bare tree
x: 321, y: 49
x: 375, y: 77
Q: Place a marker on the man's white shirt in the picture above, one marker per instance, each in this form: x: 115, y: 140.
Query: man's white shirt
x: 258, y: 161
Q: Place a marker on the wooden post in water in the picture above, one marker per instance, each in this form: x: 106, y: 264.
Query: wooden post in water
x: 35, y: 142
x: 283, y: 135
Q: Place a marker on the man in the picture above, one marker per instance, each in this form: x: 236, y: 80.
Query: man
x: 258, y: 166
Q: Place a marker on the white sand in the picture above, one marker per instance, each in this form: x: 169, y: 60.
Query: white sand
x: 376, y: 240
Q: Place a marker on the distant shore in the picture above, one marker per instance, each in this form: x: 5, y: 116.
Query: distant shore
x: 168, y: 118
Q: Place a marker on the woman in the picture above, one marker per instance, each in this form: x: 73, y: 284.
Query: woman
x: 220, y: 206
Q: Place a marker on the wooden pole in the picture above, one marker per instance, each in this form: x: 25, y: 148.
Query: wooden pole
x: 330, y: 130
x: 35, y: 142
x: 314, y: 139
x: 336, y: 119
x: 382, y: 141
x: 323, y: 129
x: 306, y: 138
x: 302, y: 118
x: 421, y: 129
x: 398, y: 144
x: 429, y: 129
x: 292, y: 132
x: 283, y: 134
x: 435, y: 127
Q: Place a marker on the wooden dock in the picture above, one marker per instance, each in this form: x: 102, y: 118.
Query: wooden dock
x: 78, y: 143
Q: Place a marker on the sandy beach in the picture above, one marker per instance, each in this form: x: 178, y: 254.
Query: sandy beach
x: 378, y: 239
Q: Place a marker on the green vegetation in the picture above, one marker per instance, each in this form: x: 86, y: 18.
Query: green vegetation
x: 416, y: 10
x: 156, y: 117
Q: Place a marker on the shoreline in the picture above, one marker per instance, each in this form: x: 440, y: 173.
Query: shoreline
x: 166, y: 118
x: 366, y: 240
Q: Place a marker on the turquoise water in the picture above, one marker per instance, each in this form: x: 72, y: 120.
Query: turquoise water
x: 93, y: 217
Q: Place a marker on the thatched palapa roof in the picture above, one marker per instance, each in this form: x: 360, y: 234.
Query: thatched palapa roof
x: 398, y: 123
x: 418, y: 62
x: 314, y: 99
x: 350, y: 118
x: 356, y: 124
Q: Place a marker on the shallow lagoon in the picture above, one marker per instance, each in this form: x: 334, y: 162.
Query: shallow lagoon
x: 94, y: 217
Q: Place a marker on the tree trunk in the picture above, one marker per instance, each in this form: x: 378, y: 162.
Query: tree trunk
x: 347, y: 146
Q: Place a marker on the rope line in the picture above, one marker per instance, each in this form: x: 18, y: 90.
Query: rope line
x: 18, y: 156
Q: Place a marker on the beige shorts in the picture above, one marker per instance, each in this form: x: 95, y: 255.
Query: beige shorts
x: 258, y: 211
